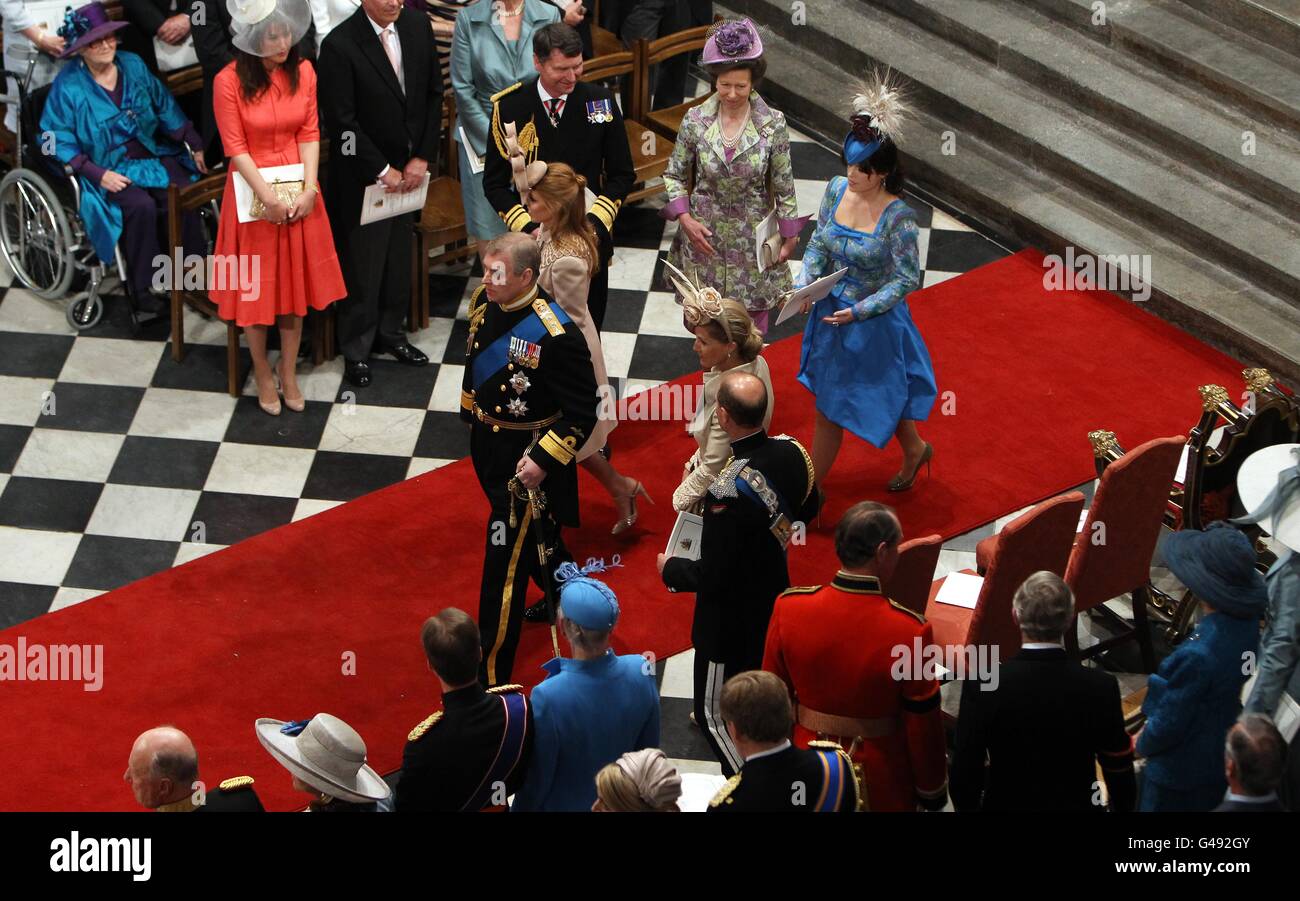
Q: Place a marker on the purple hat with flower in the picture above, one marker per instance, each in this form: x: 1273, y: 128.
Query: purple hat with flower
x: 84, y: 26
x: 732, y: 42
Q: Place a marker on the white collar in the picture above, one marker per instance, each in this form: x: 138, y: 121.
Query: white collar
x: 380, y: 29
x: 769, y: 752
x: 1250, y: 799
x: 521, y: 301
x: 1040, y: 645
x: 541, y: 92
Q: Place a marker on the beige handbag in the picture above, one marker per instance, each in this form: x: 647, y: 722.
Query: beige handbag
x: 285, y: 191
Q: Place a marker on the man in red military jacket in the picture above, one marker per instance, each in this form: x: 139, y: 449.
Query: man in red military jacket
x: 834, y: 646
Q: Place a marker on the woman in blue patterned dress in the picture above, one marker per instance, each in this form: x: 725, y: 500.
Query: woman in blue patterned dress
x: 862, y: 356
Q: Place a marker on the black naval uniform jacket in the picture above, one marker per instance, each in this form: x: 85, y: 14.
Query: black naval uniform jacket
x: 819, y: 779
x: 591, y: 138
x: 548, y: 376
x: 742, y: 566
x: 234, y: 795
x: 1078, y: 723
x: 449, y: 755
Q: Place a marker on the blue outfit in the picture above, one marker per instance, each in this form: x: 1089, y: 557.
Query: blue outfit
x: 84, y: 120
x: 873, y: 372
x: 1192, y: 701
x: 586, y: 714
x: 1279, y: 649
x: 483, y: 63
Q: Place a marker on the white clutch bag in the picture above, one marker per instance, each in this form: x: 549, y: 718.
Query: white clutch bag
x: 175, y: 56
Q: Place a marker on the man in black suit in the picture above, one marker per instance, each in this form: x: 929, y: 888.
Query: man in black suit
x: 380, y: 90
x: 166, y: 20
x: 777, y: 777
x: 750, y: 512
x: 1045, y: 722
x: 559, y: 119
x: 1254, y: 763
x: 472, y: 754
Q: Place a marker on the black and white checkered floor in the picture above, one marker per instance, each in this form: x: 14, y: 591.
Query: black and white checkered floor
x: 117, y: 462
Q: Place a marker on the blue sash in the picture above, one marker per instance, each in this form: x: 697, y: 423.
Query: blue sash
x: 743, y: 487
x: 833, y: 788
x: 494, y: 358
x: 512, y: 745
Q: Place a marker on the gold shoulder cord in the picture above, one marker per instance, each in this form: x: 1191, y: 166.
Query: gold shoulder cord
x: 724, y: 794
x: 424, y: 726
x: 235, y: 782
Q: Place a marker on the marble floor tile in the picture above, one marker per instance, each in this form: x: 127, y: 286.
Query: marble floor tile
x: 258, y: 469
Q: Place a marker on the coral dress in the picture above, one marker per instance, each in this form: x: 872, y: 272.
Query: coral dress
x: 297, y: 268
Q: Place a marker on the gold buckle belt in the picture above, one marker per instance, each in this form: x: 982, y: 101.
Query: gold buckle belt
x: 846, y: 726
x: 515, y: 426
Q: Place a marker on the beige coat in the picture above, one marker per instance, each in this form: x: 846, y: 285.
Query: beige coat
x: 714, y: 445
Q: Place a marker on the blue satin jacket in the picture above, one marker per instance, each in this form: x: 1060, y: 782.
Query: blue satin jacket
x: 81, y: 118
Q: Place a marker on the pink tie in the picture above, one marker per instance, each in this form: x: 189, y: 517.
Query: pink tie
x: 388, y: 35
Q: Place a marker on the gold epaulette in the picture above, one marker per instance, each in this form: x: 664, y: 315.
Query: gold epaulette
x: 505, y: 689
x: 235, y: 783
x: 724, y: 794
x: 548, y: 317
x: 802, y: 589
x: 827, y: 745
x: 897, y: 606
x: 499, y: 94
x: 424, y: 726
x: 477, y: 310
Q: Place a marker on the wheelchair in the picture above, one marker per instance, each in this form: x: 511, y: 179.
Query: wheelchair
x: 42, y: 237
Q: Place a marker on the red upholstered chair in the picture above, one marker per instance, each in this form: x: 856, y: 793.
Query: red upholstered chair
x: 1112, y: 553
x: 910, y: 583
x: 1039, y: 539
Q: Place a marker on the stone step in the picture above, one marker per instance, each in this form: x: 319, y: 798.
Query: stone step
x: 1275, y: 22
x: 1111, y: 86
x: 1227, y: 227
x: 1005, y: 195
x: 1262, y: 78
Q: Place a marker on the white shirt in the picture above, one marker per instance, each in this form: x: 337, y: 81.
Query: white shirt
x: 1040, y: 645
x: 769, y: 752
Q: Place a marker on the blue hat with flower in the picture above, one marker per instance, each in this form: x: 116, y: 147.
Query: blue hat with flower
x: 84, y: 26
x: 586, y: 601
x: 878, y: 114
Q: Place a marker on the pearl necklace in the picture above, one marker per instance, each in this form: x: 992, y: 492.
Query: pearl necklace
x: 732, y: 142
x: 517, y: 12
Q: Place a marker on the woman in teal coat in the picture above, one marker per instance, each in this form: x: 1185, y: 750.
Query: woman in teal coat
x: 491, y: 49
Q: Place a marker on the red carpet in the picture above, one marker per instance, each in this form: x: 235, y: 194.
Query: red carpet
x: 267, y: 627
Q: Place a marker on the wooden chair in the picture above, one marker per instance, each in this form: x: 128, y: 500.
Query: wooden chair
x: 668, y: 122
x: 911, y: 580
x: 650, y: 152
x: 1112, y: 552
x: 1037, y: 540
x: 441, y: 224
x: 180, y: 201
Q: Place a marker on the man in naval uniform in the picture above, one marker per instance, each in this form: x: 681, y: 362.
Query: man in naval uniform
x: 163, y: 772
x: 761, y: 497
x: 559, y: 119
x: 472, y: 754
x: 778, y: 777
x: 529, y: 394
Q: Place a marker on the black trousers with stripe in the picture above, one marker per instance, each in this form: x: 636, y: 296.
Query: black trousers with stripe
x: 709, y: 678
x: 510, y: 561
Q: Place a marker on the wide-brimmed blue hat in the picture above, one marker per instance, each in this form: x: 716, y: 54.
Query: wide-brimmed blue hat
x: 1218, y: 565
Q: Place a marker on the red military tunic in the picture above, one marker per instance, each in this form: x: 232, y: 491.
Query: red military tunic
x: 834, y: 646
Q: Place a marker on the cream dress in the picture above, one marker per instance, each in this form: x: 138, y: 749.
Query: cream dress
x: 714, y: 446
x: 566, y: 277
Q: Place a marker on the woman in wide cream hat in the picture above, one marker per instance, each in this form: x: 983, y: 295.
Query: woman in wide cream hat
x: 327, y: 759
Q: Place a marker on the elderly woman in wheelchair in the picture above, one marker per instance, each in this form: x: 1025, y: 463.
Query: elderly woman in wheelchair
x: 115, y: 124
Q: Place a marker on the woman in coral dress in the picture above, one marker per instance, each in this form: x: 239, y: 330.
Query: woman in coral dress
x: 265, y: 106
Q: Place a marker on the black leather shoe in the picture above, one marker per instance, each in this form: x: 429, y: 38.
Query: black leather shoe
x: 536, y: 613
x: 357, y: 373
x: 407, y: 354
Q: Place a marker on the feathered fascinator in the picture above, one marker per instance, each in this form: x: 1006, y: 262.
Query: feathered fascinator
x: 879, y: 113
x: 699, y: 305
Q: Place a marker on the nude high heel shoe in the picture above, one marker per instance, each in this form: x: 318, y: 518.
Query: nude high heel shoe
x: 296, y: 404
x: 630, y: 520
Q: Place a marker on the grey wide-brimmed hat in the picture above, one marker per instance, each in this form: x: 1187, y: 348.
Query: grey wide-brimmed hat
x: 1268, y: 484
x: 1218, y: 565
x: 327, y: 754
